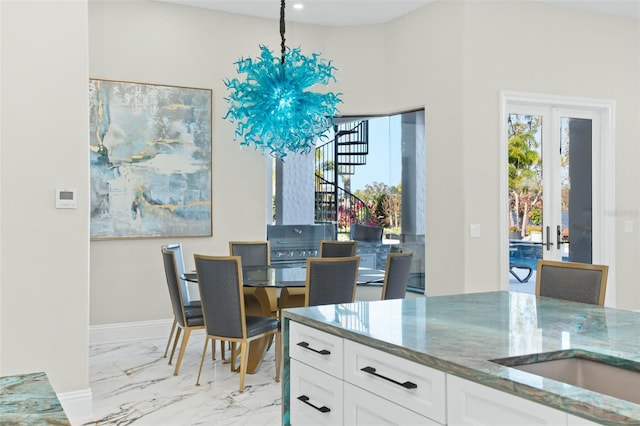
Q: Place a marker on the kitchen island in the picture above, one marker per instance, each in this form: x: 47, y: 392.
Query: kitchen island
x: 454, y: 339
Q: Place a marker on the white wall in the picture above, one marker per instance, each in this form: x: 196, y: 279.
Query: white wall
x: 452, y: 58
x: 298, y: 190
x: 44, y: 275
x: 577, y: 54
x: 425, y: 57
x: 134, y: 41
x: 456, y: 62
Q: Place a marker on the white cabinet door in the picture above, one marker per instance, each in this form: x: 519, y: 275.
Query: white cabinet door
x: 363, y: 408
x: 321, y: 350
x: 469, y: 403
x: 412, y: 385
x: 315, y: 398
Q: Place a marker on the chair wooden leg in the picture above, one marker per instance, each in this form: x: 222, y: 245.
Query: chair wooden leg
x: 233, y: 356
x: 204, y: 352
x: 173, y: 329
x: 213, y: 349
x: 224, y: 357
x: 183, y: 346
x: 278, y: 354
x: 243, y: 363
x: 269, y: 344
x: 175, y: 344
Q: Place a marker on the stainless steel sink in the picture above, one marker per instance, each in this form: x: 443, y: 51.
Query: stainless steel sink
x: 608, y: 375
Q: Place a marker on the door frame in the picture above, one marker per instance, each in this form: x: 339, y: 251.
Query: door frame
x: 603, y: 178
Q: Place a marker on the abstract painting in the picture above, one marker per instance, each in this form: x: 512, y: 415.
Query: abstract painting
x: 150, y: 150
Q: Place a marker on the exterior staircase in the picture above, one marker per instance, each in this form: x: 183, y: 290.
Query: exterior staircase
x: 337, y: 160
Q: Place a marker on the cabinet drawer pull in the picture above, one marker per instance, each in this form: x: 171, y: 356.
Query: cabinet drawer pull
x: 406, y: 385
x: 305, y: 399
x: 321, y: 352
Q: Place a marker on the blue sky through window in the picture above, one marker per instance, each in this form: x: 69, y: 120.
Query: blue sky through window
x: 384, y: 162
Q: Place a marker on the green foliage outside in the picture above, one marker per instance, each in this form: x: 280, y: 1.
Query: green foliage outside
x: 385, y: 203
x: 525, y: 190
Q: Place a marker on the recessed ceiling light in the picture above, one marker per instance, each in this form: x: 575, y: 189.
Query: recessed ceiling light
x: 298, y: 6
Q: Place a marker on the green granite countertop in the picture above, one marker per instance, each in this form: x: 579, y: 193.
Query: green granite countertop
x: 29, y: 399
x: 459, y: 334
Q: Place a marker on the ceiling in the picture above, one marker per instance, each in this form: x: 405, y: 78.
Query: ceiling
x: 321, y: 12
x: 362, y: 12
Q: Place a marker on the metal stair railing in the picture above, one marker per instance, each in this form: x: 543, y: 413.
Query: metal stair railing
x: 351, y: 146
x: 336, y: 158
x: 348, y: 209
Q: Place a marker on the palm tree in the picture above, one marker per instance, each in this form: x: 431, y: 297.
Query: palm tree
x: 525, y: 192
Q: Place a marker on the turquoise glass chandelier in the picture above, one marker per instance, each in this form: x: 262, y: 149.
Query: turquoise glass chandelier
x: 272, y: 108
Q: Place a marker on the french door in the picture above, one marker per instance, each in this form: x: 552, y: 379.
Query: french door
x: 559, y: 188
x: 556, y: 199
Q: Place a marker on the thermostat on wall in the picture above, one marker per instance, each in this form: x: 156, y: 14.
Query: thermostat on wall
x: 65, y: 198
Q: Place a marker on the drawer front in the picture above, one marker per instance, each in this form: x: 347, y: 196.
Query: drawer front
x: 412, y: 385
x: 316, y: 398
x: 363, y: 408
x: 471, y: 403
x: 321, y: 350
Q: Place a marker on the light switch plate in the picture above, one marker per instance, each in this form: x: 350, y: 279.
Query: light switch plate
x: 474, y: 230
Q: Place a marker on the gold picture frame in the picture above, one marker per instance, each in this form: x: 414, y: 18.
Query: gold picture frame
x: 150, y: 155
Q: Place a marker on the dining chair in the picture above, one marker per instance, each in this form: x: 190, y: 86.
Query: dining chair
x: 331, y: 280
x: 396, y: 275
x: 577, y: 282
x: 334, y: 248
x: 252, y: 253
x: 222, y: 298
x: 295, y: 297
x: 192, y: 305
x: 255, y: 253
x: 187, y: 319
x: 369, y: 233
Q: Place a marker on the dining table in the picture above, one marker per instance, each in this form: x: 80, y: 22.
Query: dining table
x: 267, y: 279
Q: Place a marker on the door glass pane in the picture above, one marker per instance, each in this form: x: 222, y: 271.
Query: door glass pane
x: 576, y: 186
x: 525, y: 198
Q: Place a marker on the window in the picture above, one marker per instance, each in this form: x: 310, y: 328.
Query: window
x: 368, y: 170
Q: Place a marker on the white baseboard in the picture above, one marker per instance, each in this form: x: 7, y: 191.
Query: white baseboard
x: 123, y: 332
x: 77, y: 405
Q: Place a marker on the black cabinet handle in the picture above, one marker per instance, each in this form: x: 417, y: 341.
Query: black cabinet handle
x: 321, y: 352
x: 406, y: 385
x: 305, y: 399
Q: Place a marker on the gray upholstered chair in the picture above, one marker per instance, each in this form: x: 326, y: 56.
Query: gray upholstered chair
x: 187, y: 319
x: 369, y: 233
x: 192, y: 305
x: 396, y: 275
x: 334, y: 248
x: 255, y: 253
x: 577, y: 282
x: 331, y: 280
x: 295, y: 297
x: 222, y: 298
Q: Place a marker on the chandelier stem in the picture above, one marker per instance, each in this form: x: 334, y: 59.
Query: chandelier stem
x: 282, y: 29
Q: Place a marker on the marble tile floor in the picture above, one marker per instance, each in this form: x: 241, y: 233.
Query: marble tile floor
x: 132, y: 384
